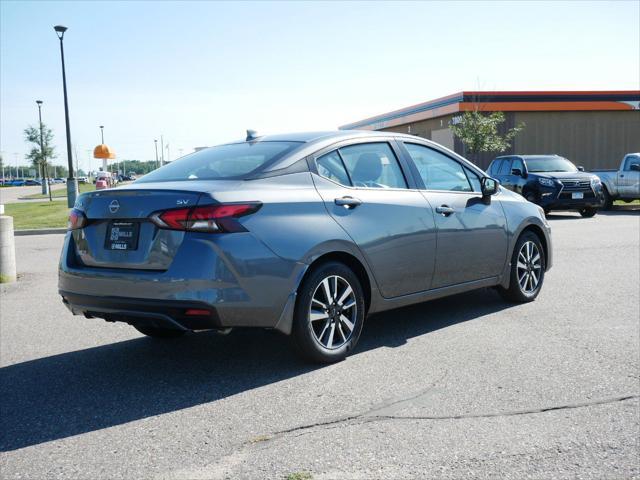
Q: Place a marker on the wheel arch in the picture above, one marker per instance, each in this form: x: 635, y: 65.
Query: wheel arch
x: 350, y: 261
x: 537, y: 230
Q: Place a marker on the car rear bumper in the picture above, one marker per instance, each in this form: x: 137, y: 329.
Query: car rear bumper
x: 236, y: 278
x: 177, y: 315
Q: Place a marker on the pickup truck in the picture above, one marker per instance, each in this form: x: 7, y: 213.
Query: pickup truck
x: 621, y: 184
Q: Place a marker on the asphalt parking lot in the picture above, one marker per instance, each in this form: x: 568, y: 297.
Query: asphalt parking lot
x: 468, y: 386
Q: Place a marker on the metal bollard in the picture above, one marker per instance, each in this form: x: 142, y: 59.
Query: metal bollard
x: 7, y: 249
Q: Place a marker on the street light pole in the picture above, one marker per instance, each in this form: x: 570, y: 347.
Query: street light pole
x: 43, y: 158
x: 72, y: 185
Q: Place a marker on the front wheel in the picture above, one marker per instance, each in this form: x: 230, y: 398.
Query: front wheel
x: 527, y: 270
x: 329, y: 313
x: 588, y: 212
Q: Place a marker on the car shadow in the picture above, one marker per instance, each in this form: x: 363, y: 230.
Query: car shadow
x: 86, y: 390
x: 621, y: 210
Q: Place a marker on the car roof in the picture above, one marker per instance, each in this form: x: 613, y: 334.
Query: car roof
x: 309, y: 137
x: 528, y: 156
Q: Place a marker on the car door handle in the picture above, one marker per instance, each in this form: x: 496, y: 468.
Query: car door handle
x: 348, y: 202
x: 445, y: 210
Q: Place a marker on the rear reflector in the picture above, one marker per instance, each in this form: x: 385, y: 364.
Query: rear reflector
x: 195, y: 312
x: 208, y: 218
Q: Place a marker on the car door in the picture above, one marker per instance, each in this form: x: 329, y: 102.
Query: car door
x: 367, y: 192
x: 472, y: 232
x: 629, y: 180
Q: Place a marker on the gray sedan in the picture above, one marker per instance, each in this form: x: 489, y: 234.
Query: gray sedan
x: 303, y: 233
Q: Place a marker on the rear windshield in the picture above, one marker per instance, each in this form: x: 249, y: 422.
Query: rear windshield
x: 550, y: 164
x: 234, y: 161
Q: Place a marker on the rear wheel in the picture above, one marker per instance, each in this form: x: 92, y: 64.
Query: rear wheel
x: 588, y: 212
x: 156, y: 332
x: 329, y: 313
x: 527, y: 270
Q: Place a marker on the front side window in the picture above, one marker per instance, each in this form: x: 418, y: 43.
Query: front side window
x: 631, y: 160
x: 474, y: 179
x: 517, y: 163
x: 237, y: 161
x: 372, y: 165
x: 495, y: 167
x: 438, y: 171
x: 505, y: 169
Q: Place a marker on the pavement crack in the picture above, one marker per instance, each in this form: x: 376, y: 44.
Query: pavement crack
x: 509, y: 414
x: 372, y: 417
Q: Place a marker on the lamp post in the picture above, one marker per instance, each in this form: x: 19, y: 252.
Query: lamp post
x: 156, y: 142
x: 72, y: 185
x: 43, y: 158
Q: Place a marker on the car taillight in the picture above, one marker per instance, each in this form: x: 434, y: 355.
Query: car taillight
x: 77, y: 219
x: 208, y: 218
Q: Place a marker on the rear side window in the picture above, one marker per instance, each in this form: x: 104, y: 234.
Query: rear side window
x: 372, y: 165
x: 438, y: 172
x: 505, y: 168
x: 235, y: 161
x: 330, y: 166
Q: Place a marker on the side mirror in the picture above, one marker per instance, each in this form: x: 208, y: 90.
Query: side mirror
x: 580, y: 168
x: 517, y: 172
x: 634, y: 167
x: 489, y: 186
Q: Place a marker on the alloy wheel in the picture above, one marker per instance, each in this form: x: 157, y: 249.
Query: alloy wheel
x: 529, y: 267
x: 333, y: 312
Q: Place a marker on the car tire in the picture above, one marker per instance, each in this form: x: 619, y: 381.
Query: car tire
x: 608, y: 201
x: 156, y: 332
x: 528, y: 263
x: 588, y: 212
x: 329, y: 313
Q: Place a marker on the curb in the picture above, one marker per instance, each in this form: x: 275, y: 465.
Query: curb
x: 39, y: 231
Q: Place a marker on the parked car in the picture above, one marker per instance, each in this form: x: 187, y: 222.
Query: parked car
x: 60, y: 180
x: 82, y: 180
x: 551, y: 181
x: 302, y: 233
x: 18, y: 182
x: 621, y: 184
x: 32, y: 182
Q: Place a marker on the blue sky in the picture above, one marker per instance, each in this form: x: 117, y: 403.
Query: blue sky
x: 200, y: 73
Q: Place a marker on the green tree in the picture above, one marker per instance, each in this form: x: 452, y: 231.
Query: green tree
x: 32, y: 136
x: 479, y: 132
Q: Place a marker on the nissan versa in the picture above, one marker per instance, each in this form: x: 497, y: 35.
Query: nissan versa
x: 304, y: 233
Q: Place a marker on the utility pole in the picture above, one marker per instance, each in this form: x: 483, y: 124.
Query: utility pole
x: 168, y: 153
x: 161, y: 150
x: 156, y: 144
x: 15, y: 155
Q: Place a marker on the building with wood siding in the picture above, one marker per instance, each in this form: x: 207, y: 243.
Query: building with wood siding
x: 594, y: 129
